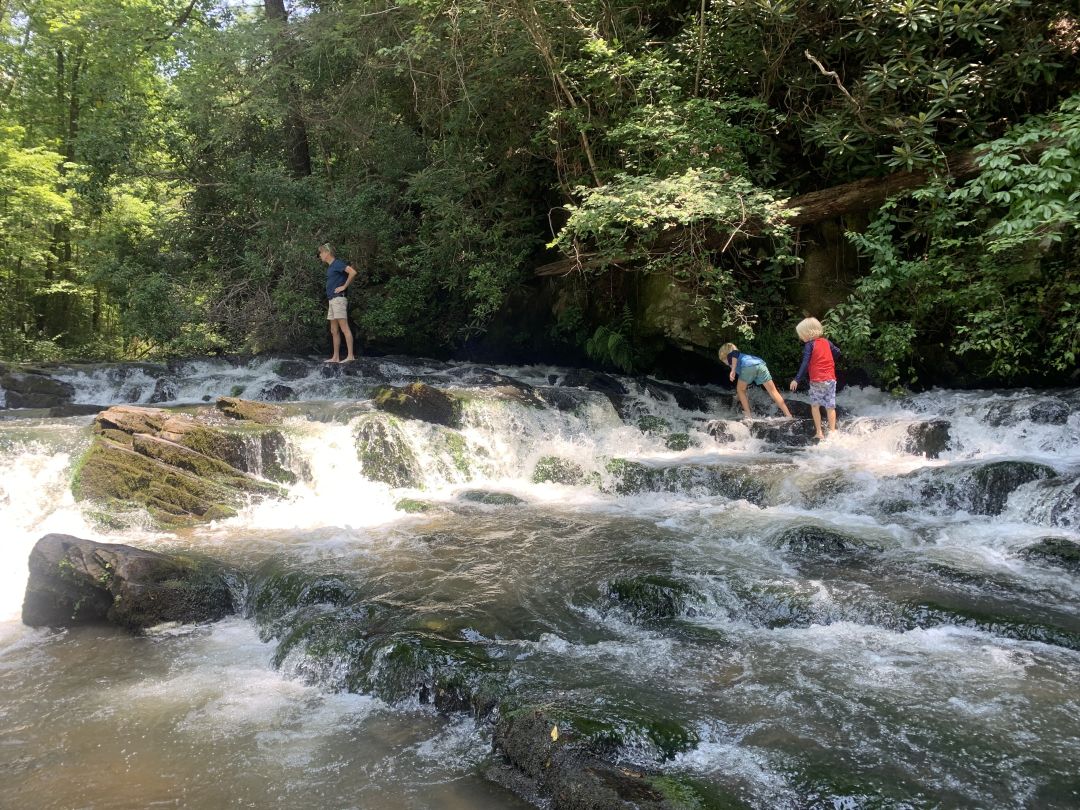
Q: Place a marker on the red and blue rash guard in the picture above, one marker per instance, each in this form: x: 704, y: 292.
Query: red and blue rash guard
x: 819, y: 358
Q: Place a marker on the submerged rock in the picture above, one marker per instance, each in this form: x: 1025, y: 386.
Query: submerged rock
x: 652, y: 596
x: 720, y: 429
x: 820, y: 541
x: 61, y: 411
x: 786, y: 433
x: 1057, y: 551
x: 677, y: 441
x: 278, y: 393
x: 32, y: 389
x: 290, y: 369
x: 384, y: 452
x: 180, y: 469
x: 412, y: 506
x: 166, y: 389
x: 930, y: 438
x: 75, y: 581
x: 419, y: 401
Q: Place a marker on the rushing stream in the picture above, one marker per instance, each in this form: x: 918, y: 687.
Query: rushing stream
x: 845, y: 625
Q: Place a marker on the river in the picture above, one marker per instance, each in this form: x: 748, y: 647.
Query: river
x: 844, y: 625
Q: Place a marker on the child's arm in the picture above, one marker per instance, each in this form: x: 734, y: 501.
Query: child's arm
x: 804, y: 369
x: 835, y: 350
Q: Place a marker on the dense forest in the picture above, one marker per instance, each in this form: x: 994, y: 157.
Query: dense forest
x: 628, y: 182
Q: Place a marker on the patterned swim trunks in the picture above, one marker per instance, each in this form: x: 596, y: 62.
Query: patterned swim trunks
x: 823, y: 393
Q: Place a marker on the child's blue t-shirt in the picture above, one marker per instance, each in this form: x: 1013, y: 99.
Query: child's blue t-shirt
x: 744, y: 360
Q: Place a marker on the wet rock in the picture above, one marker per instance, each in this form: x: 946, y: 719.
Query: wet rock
x: 1049, y: 412
x: 180, y: 470
x: 993, y: 483
x: 929, y: 439
x: 631, y: 477
x: 1044, y: 410
x: 166, y: 389
x: 818, y: 541
x: 1057, y: 551
x: 491, y: 498
x: 75, y: 581
x: 384, y: 452
x: 720, y: 429
x: 29, y: 389
x: 278, y: 393
x: 558, y: 471
x: 652, y: 596
x: 259, y: 412
x: 562, y: 399
x: 594, y: 381
x: 293, y: 369
x: 786, y: 433
x: 683, y: 396
x: 419, y: 401
x: 74, y: 409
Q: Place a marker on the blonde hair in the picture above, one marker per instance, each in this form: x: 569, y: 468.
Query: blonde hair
x: 725, y: 350
x: 809, y: 328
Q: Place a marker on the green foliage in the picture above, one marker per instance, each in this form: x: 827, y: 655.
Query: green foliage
x: 985, y: 272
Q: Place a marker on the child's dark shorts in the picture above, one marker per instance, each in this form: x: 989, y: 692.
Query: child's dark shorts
x: 823, y: 393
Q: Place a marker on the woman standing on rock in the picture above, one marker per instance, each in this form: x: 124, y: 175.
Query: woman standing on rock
x: 339, y: 276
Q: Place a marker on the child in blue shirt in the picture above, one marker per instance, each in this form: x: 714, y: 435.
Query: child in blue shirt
x: 750, y: 369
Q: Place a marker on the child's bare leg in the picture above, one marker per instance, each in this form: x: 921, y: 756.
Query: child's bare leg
x: 832, y: 419
x: 815, y: 411
x: 770, y: 389
x: 740, y: 390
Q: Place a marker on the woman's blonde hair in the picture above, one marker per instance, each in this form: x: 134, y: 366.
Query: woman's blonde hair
x: 809, y: 328
x: 725, y: 350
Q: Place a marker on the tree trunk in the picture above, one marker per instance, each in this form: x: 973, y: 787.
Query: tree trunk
x: 296, y: 138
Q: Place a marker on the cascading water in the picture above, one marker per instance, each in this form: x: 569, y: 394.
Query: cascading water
x: 845, y: 625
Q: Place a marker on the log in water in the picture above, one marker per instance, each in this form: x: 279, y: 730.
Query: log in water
x: 737, y: 615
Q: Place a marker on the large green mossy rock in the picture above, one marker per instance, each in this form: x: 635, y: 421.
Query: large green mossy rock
x: 419, y: 401
x: 181, y: 470
x: 384, y: 452
x: 75, y: 581
x: 819, y: 541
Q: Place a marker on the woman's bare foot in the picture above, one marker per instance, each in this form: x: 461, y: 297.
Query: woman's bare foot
x: 332, y: 360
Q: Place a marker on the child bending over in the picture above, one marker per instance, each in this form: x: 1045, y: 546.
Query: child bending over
x: 750, y: 370
x: 819, y: 361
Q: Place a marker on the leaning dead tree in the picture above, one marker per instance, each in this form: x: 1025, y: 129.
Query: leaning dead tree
x: 806, y: 209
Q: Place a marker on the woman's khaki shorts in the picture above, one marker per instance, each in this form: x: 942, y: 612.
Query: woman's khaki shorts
x: 339, y: 309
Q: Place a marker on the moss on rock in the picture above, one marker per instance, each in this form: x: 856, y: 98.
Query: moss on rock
x: 557, y: 471
x: 384, y: 452
x: 419, y: 401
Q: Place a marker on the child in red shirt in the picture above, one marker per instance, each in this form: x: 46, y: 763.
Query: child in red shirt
x: 819, y: 363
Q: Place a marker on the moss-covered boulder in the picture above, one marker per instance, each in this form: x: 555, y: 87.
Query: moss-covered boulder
x: 677, y: 441
x: 384, y: 452
x: 75, y: 581
x: 1057, y: 551
x: 260, y: 412
x: 652, y: 424
x: 419, y: 401
x: 181, y: 470
x: 555, y: 470
x: 412, y: 506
